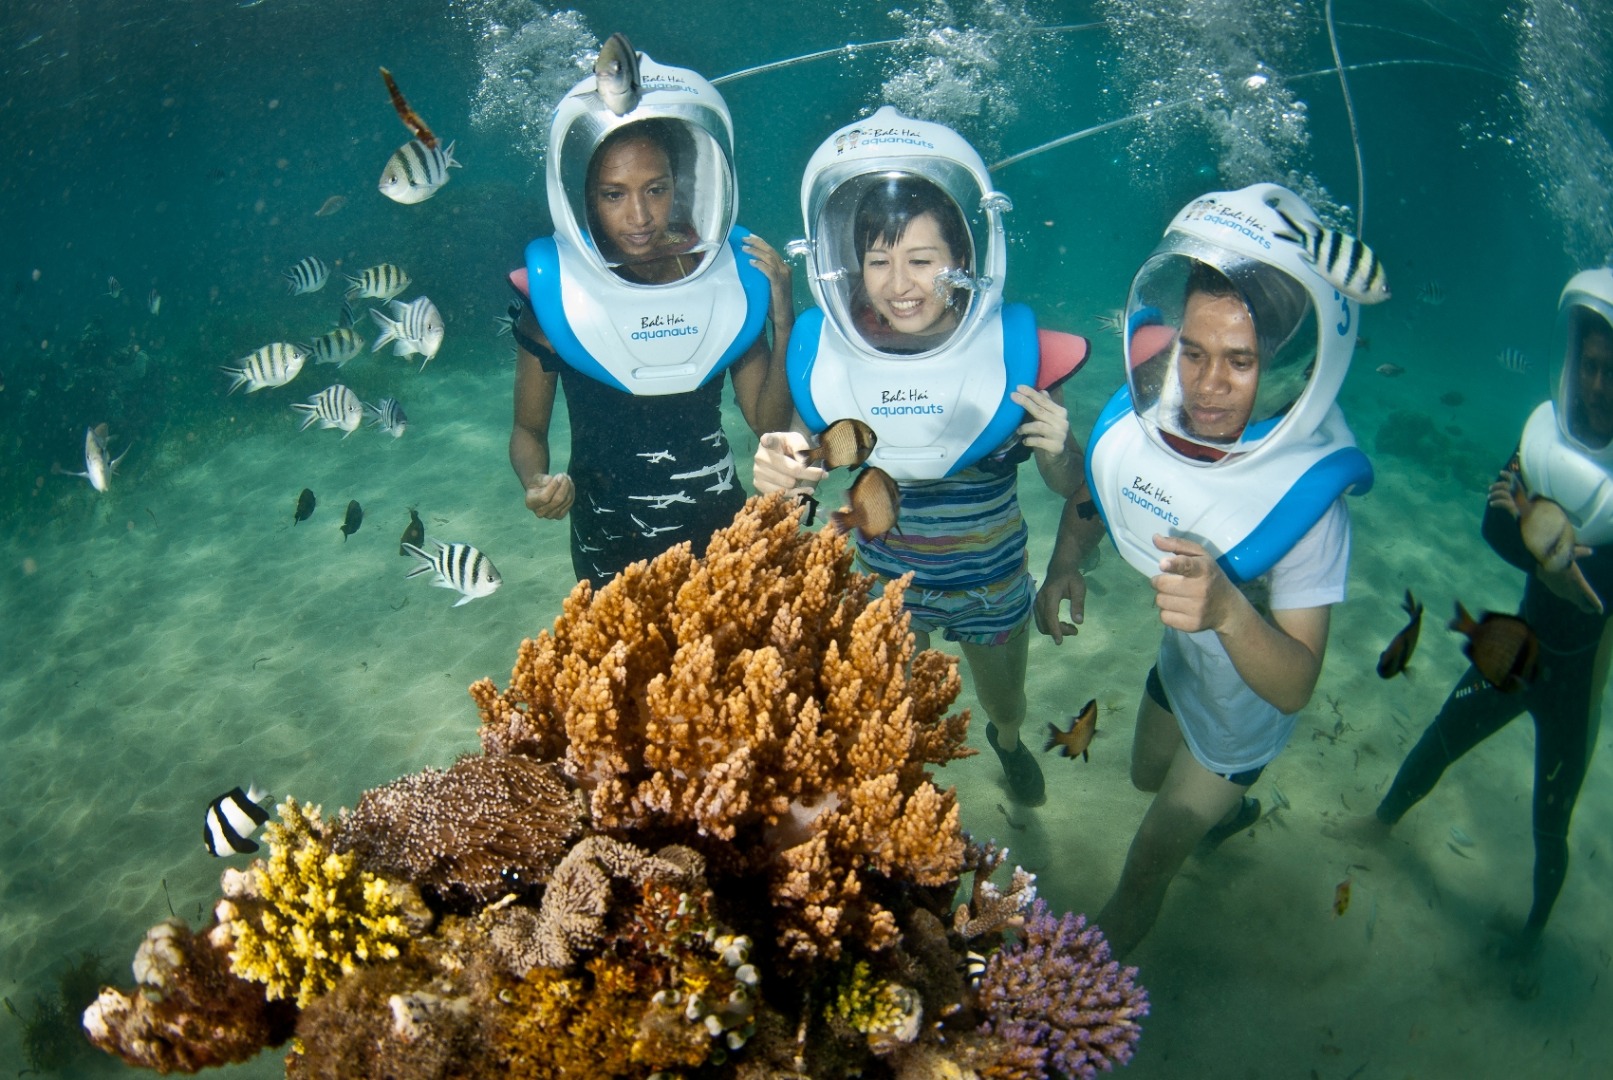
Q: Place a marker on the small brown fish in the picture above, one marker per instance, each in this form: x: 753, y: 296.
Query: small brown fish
x: 1393, y: 660
x: 1389, y: 370
x: 874, y: 504
x: 414, y: 533
x: 1075, y: 741
x: 352, y: 520
x: 1451, y: 398
x: 1503, y: 648
x: 1341, y: 897
x: 330, y: 206
x: 410, y: 118
x: 846, y: 443
x: 305, y: 506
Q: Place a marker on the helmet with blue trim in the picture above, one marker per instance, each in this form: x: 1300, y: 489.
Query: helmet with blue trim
x: 1227, y: 244
x: 1582, y: 375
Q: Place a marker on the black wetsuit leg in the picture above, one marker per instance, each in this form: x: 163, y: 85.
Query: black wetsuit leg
x: 1474, y: 711
x: 1562, y: 757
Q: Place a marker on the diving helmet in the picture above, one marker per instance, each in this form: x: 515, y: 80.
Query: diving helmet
x: 905, y: 240
x: 1582, y: 376
x: 685, y: 123
x: 1226, y: 244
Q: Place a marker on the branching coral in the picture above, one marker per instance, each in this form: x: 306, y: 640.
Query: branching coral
x: 473, y: 833
x: 755, y: 696
x: 989, y: 909
x: 312, y: 916
x: 1059, y: 1003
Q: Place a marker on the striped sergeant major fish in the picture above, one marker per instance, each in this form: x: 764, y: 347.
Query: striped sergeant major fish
x: 415, y: 171
x: 389, y: 417
x: 231, y: 820
x: 380, y: 282
x: 307, y: 276
x: 274, y: 364
x: 459, y: 567
x: 1347, y: 264
x: 337, y: 347
x: 334, y: 407
x: 98, y: 469
x: 415, y: 327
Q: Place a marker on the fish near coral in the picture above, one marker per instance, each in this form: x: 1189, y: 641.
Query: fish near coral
x: 874, y: 500
x: 1075, y: 741
x: 845, y: 443
x: 1503, y: 648
x: 1393, y: 660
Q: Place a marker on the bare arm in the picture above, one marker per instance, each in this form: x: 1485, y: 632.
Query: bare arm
x: 547, y: 495
x: 1080, y: 533
x: 761, y: 386
x: 1280, y: 658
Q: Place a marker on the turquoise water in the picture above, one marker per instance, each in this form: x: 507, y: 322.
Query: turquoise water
x: 177, y: 636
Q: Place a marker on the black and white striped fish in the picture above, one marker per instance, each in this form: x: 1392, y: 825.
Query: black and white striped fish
x: 1347, y: 264
x: 459, y: 567
x: 307, y: 276
x: 1513, y: 359
x: 274, y: 364
x: 337, y: 347
x: 1432, y: 293
x: 415, y: 171
x: 388, y: 413
x: 415, y: 327
x: 231, y: 820
x: 334, y: 407
x: 380, y: 282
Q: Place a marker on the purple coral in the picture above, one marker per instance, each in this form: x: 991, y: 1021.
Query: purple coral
x: 1058, y: 997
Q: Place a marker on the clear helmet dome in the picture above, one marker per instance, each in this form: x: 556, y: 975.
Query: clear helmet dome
x: 1582, y: 365
x: 648, y: 195
x: 905, y: 243
x: 1234, y: 344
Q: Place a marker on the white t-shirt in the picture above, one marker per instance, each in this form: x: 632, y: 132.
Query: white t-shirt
x: 1228, y: 727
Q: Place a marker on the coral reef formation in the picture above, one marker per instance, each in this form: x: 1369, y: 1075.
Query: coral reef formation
x: 1061, y: 1005
x: 468, y: 835
x: 702, y: 840
x: 308, y: 916
x: 760, y: 699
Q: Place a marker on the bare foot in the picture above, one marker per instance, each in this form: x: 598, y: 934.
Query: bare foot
x: 1366, y: 829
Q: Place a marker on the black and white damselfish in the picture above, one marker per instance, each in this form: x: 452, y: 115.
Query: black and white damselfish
x: 231, y: 820
x: 459, y: 567
x: 1347, y: 264
x: 415, y: 171
x: 308, y: 276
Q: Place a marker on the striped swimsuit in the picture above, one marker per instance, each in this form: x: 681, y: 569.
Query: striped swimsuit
x: 964, y: 539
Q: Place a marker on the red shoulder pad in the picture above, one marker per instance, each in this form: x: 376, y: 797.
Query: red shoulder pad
x: 1062, y: 355
x: 518, y: 280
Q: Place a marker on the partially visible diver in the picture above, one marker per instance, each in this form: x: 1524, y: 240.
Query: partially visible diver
x: 1565, y: 455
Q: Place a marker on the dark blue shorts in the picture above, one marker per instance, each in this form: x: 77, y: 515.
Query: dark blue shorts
x: 1156, y: 690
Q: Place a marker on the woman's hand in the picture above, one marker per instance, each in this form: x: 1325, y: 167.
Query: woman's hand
x: 1047, y: 425
x: 781, y: 465
x: 767, y: 259
x: 550, y: 495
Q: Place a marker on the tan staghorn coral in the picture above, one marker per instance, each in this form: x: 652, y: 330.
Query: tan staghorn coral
x: 309, y: 916
x: 760, y: 697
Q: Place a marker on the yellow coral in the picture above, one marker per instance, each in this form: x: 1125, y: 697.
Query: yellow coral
x: 887, y: 1012
x: 315, y: 918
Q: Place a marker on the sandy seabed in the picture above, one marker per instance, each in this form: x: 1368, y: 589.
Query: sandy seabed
x: 164, y: 643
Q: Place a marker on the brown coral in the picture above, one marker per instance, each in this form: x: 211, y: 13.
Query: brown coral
x: 485, y: 827
x: 758, y: 696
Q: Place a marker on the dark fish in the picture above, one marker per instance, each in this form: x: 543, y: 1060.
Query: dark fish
x: 1363, y: 344
x: 874, y: 503
x: 354, y: 518
x: 1347, y: 264
x: 231, y: 820
x: 616, y: 75
x: 844, y: 444
x: 1503, y: 648
x: 414, y: 533
x: 1075, y: 741
x: 1452, y: 398
x: 1341, y: 897
x: 411, y: 120
x: 1393, y: 660
x: 305, y: 506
